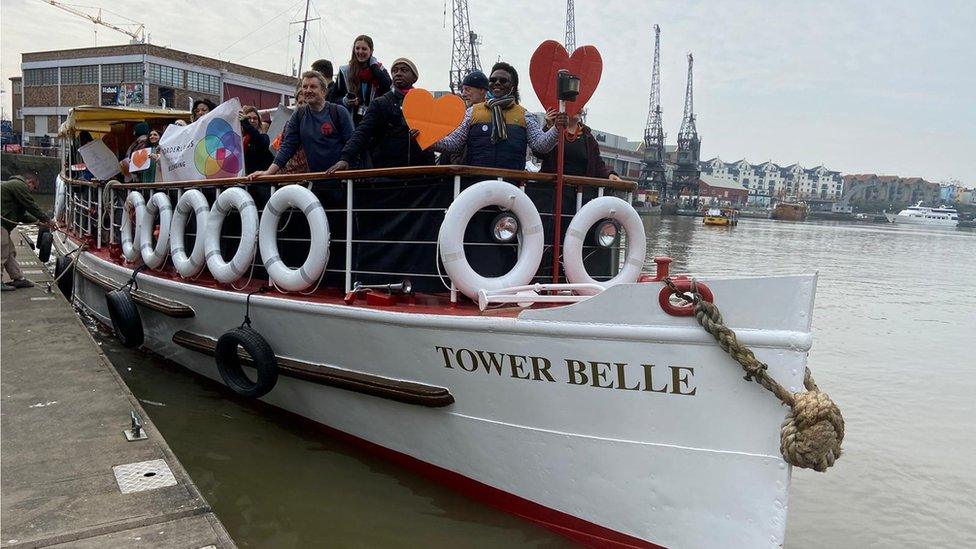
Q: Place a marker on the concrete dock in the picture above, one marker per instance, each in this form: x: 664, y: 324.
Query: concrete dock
x: 69, y: 476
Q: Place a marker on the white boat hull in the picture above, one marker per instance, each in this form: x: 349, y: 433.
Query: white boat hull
x: 911, y: 220
x: 664, y: 442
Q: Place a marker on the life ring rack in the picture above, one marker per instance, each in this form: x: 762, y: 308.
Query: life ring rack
x: 450, y: 238
x: 604, y: 207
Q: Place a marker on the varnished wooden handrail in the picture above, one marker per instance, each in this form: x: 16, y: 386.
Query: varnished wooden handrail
x: 405, y: 172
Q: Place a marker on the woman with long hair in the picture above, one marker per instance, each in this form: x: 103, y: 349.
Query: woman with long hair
x: 361, y: 80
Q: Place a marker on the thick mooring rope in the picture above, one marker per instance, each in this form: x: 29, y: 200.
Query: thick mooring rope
x: 813, y: 431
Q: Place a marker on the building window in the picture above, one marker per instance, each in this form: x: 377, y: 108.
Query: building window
x: 165, y: 76
x: 88, y: 74
x: 70, y: 75
x: 32, y: 77
x: 111, y: 74
x: 132, y: 72
x: 197, y: 81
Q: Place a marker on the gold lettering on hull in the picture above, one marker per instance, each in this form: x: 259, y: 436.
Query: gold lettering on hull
x: 621, y: 376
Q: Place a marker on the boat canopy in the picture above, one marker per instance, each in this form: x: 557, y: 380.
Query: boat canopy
x: 99, y: 120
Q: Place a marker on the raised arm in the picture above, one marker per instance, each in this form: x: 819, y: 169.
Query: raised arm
x: 540, y: 141
x: 455, y: 140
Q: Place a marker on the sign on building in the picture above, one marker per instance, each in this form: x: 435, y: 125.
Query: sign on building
x: 122, y: 95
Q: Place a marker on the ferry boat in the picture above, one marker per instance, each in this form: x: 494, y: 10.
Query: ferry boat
x: 595, y: 406
x: 721, y: 217
x: 789, y: 211
x: 944, y: 216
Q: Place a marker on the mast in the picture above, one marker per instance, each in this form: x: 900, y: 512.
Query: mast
x: 689, y: 144
x: 464, y: 50
x: 653, y: 171
x: 301, y: 55
x: 570, y: 28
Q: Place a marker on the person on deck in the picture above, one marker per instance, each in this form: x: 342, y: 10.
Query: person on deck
x: 383, y: 132
x: 17, y: 206
x: 362, y: 80
x: 141, y: 132
x: 319, y: 127
x: 581, y: 154
x: 474, y: 88
x: 201, y: 107
x: 497, y: 131
x: 257, y: 154
x: 324, y: 66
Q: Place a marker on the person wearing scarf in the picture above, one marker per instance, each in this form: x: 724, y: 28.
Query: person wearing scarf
x: 383, y: 133
x: 361, y: 81
x: 498, y: 131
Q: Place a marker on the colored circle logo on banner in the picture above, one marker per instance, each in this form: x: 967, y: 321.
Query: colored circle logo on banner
x: 219, y: 153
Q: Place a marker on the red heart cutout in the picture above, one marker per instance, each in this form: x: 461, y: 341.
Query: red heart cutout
x: 549, y: 58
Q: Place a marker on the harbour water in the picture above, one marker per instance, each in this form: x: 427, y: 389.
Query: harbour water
x: 893, y: 345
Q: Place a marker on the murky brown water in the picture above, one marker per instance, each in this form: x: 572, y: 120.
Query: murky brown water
x: 893, y: 345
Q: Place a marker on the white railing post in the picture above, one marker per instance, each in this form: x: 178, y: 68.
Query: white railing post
x: 111, y: 215
x: 457, y: 191
x: 348, y: 235
x: 88, y: 212
x: 98, y: 222
x: 579, y: 198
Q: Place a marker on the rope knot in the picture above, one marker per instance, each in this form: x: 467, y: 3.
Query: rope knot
x: 813, y: 431
x: 754, y: 370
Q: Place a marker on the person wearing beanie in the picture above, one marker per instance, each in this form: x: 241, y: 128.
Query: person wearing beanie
x: 474, y: 88
x: 497, y: 132
x: 382, y: 139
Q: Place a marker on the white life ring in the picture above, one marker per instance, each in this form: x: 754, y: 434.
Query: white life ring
x: 130, y: 234
x: 229, y: 271
x: 59, y: 190
x: 294, y: 196
x: 191, y: 202
x: 158, y: 204
x: 604, y: 207
x: 451, y: 237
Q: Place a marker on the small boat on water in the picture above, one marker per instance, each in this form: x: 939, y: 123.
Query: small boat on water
x: 943, y: 216
x: 721, y: 217
x: 789, y: 211
x: 587, y: 398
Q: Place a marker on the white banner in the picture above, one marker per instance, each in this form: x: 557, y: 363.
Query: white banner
x: 100, y: 160
x: 209, y: 148
x: 278, y: 120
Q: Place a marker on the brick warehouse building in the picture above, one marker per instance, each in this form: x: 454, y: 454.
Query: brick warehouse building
x: 131, y: 74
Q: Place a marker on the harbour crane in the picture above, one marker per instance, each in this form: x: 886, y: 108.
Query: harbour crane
x: 653, y: 173
x: 138, y: 36
x: 464, y: 49
x: 687, y: 172
x: 570, y: 28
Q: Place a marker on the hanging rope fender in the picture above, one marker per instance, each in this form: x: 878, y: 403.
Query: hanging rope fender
x: 813, y: 430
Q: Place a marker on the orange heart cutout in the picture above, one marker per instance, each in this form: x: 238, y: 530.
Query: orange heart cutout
x: 434, y: 119
x: 139, y: 160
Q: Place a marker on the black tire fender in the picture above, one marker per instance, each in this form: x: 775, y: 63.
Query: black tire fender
x: 125, y: 318
x: 262, y: 357
x: 44, y: 242
x: 64, y: 272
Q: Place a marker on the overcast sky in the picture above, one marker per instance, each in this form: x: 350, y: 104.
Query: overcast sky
x: 884, y: 87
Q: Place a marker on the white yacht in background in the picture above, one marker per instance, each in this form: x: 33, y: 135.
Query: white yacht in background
x: 923, y: 215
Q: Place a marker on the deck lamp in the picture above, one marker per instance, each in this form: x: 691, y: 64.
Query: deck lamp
x: 504, y: 228
x: 607, y: 233
x: 567, y: 86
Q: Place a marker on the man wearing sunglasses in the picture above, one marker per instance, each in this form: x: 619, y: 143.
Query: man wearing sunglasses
x: 498, y: 131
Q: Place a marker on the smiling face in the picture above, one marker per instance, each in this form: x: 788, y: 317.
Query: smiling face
x: 201, y: 110
x: 312, y: 92
x: 362, y: 51
x: 154, y: 138
x: 501, y: 83
x: 402, y: 75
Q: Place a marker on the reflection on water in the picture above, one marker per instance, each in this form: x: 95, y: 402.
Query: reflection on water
x: 894, y: 322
